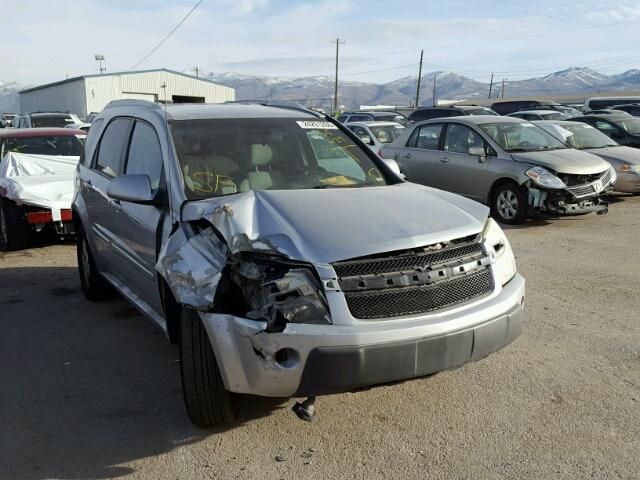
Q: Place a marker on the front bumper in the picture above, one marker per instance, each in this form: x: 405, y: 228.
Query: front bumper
x: 322, y: 359
x: 562, y: 202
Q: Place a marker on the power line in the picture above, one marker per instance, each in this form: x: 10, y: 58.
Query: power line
x: 168, y: 35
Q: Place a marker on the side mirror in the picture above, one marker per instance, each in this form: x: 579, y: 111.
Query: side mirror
x: 393, y: 166
x: 134, y: 188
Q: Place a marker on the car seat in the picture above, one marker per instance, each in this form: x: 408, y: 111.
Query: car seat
x: 260, y: 177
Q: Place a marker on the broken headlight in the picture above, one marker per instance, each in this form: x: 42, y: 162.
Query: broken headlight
x: 280, y: 293
x: 499, y: 249
x: 544, y: 178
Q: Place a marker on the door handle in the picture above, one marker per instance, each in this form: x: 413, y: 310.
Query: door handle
x: 115, y: 204
x: 406, y: 155
x: 444, y: 159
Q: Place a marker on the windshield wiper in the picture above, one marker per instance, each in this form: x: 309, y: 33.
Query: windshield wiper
x: 318, y: 187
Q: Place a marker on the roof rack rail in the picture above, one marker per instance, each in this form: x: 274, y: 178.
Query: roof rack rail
x: 278, y: 104
x: 132, y: 102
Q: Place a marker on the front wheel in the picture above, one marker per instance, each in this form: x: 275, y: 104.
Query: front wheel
x: 509, y: 204
x: 208, y: 403
x: 15, y: 232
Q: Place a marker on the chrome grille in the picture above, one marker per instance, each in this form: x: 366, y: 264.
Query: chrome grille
x: 372, y: 266
x: 582, y: 190
x: 410, y: 283
x: 416, y: 300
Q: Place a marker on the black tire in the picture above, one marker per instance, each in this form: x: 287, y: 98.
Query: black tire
x: 509, y: 204
x: 94, y: 285
x: 208, y: 403
x: 15, y: 232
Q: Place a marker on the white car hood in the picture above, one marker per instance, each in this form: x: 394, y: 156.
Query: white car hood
x: 39, y: 180
x: 324, y: 226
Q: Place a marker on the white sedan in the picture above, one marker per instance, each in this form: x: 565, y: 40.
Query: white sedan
x: 376, y: 134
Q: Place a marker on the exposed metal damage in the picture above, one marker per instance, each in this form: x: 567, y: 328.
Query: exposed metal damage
x: 276, y: 289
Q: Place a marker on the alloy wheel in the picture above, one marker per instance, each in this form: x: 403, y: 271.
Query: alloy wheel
x: 507, y: 204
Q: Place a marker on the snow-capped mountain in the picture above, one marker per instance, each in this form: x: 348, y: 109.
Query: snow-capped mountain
x: 318, y: 91
x: 449, y: 85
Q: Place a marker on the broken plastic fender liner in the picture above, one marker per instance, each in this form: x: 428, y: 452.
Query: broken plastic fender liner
x: 192, y: 267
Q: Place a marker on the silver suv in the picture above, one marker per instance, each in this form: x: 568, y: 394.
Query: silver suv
x: 282, y: 255
x: 512, y: 165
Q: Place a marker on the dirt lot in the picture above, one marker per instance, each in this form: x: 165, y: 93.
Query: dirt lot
x: 93, y: 390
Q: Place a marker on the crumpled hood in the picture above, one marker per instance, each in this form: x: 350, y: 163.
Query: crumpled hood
x: 47, y: 191
x: 324, y: 226
x: 568, y: 161
x: 621, y: 154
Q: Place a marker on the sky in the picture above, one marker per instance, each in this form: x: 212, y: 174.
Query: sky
x: 45, y: 40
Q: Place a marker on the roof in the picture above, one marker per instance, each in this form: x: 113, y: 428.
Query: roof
x: 39, y: 132
x: 535, y: 112
x: 203, y: 111
x: 134, y: 72
x: 477, y: 119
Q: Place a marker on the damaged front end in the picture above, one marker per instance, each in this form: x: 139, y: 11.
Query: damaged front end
x: 279, y: 291
x: 557, y: 194
x: 245, y: 277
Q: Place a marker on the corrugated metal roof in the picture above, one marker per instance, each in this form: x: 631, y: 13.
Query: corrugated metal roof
x: 82, y: 77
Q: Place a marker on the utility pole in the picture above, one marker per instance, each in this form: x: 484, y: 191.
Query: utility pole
x: 419, y: 78
x: 503, y: 88
x: 335, y: 91
x: 490, y: 86
x: 197, y: 71
x: 435, y: 75
x: 100, y: 58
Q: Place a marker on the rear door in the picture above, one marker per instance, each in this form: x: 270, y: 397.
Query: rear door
x: 106, y: 164
x: 457, y: 171
x: 137, y: 226
x: 419, y: 158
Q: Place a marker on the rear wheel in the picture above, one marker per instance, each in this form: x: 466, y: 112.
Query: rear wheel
x: 509, y: 204
x: 208, y: 403
x: 15, y: 232
x: 94, y: 285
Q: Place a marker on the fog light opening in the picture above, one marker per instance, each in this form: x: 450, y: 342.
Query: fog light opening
x: 287, y: 358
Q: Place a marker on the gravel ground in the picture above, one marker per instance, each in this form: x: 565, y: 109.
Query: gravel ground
x: 92, y: 390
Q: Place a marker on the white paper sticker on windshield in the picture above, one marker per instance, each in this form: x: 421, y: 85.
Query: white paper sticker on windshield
x: 316, y: 125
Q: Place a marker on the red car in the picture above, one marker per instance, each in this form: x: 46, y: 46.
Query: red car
x: 36, y: 182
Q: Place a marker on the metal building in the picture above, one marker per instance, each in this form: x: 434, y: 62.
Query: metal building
x: 91, y: 93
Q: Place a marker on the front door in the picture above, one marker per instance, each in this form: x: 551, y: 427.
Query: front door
x: 137, y: 226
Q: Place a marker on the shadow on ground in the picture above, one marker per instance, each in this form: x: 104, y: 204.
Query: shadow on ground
x: 85, y: 387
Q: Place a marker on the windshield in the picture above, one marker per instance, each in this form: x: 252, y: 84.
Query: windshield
x: 582, y: 136
x: 480, y: 111
x: 222, y: 157
x: 51, y: 121
x: 521, y: 137
x: 67, y: 145
x: 387, y: 134
x: 631, y: 125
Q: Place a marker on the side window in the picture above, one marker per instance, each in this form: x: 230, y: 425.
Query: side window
x: 428, y: 137
x: 360, y: 118
x: 90, y: 142
x: 342, y: 118
x: 359, y: 131
x: 145, y: 153
x: 605, y: 127
x: 460, y: 138
x: 110, y: 151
